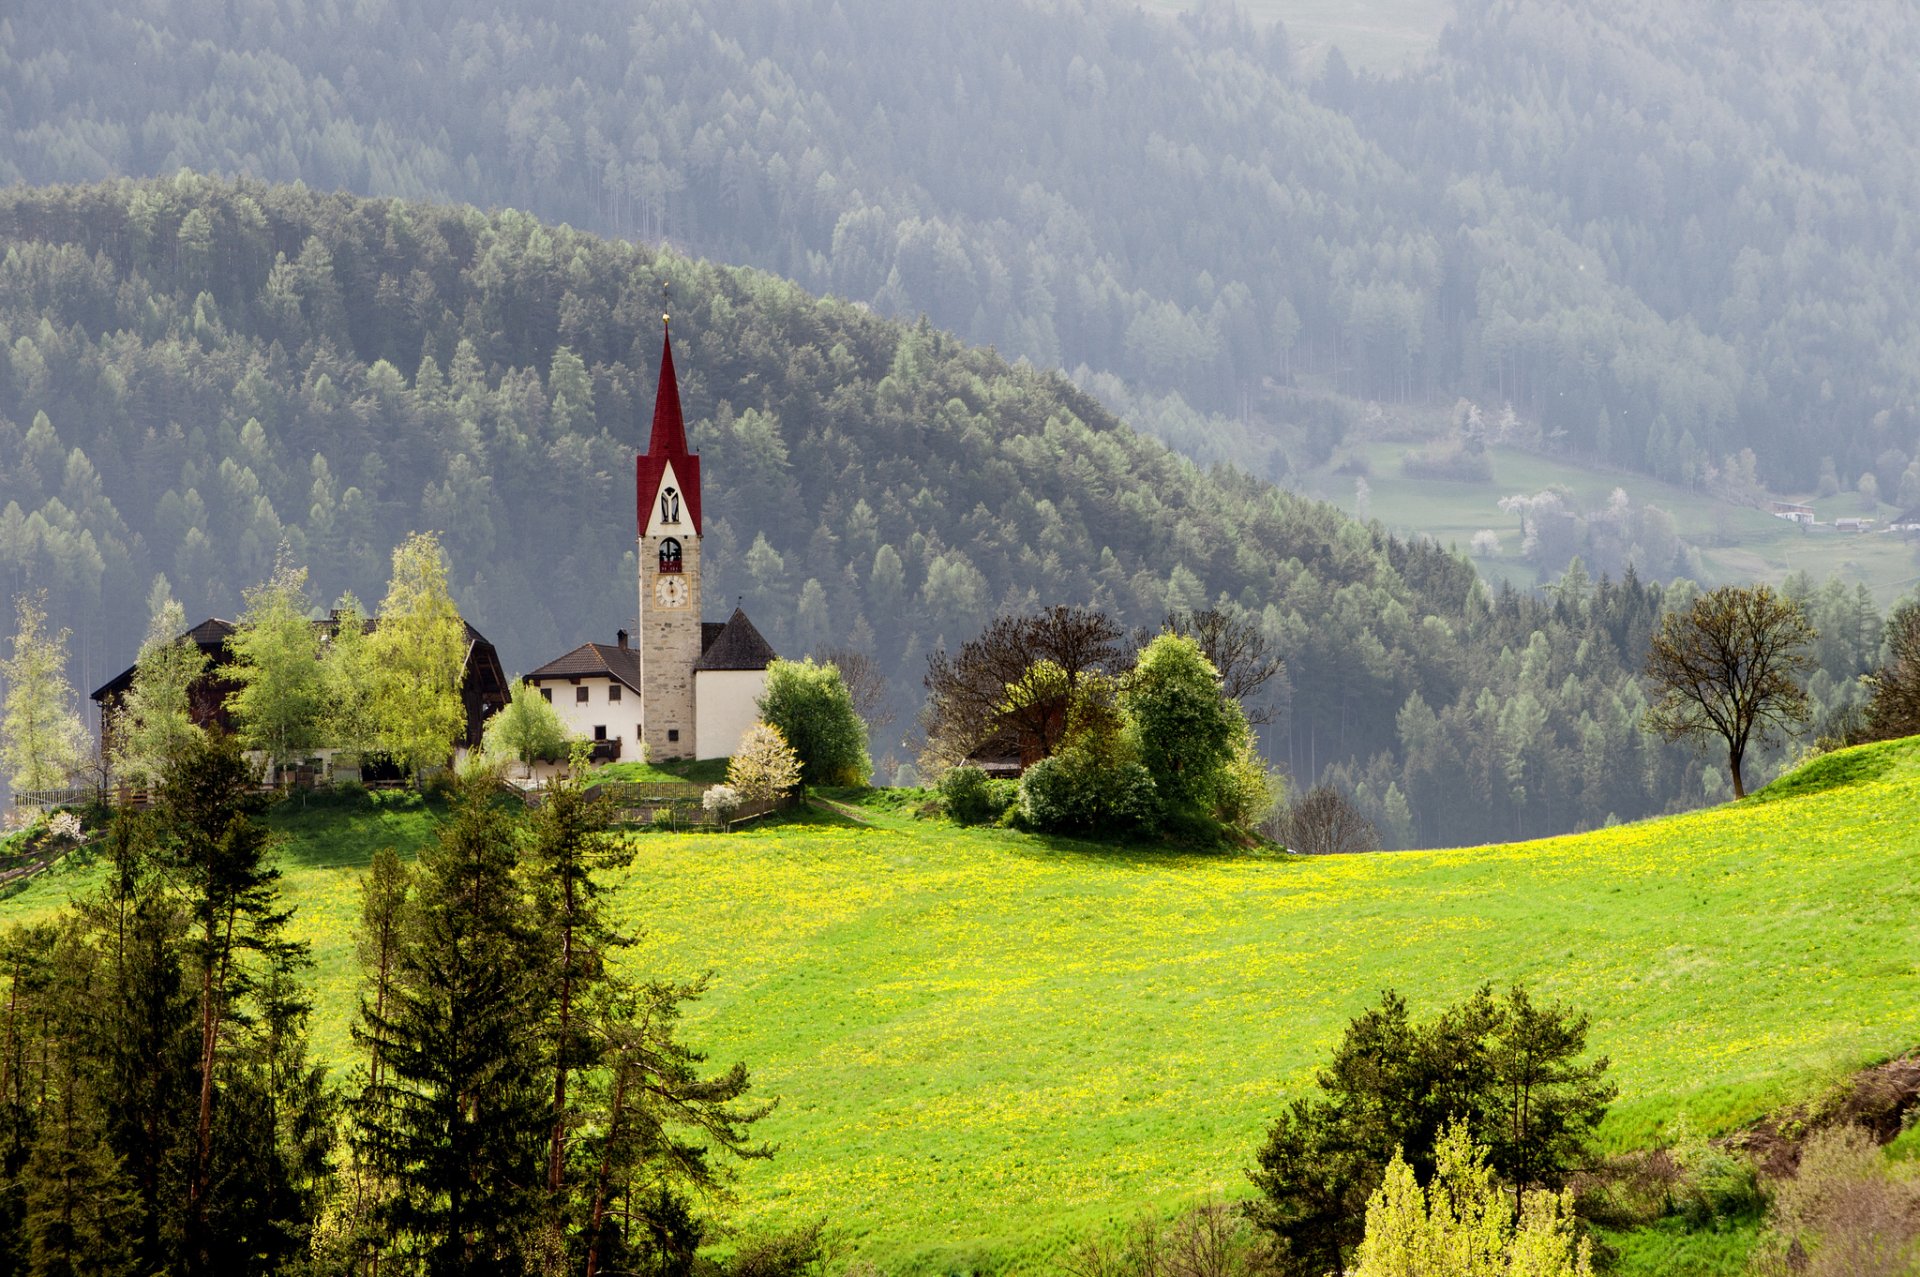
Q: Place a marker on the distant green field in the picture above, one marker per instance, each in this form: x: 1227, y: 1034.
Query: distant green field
x: 986, y: 1043
x: 1738, y: 543
x: 1376, y: 34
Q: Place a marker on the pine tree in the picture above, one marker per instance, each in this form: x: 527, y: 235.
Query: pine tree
x: 217, y: 857
x: 459, y: 1119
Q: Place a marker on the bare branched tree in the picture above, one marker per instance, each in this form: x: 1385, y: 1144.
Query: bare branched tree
x: 864, y: 682
x: 1246, y: 661
x: 1730, y: 666
x: 1326, y: 823
x: 967, y: 701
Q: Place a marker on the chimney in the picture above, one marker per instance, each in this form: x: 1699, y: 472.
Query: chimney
x: 623, y: 640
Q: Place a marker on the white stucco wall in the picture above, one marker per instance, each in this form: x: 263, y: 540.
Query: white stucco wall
x: 621, y: 718
x: 724, y: 708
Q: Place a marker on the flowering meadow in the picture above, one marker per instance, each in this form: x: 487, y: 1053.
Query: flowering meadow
x: 986, y: 1043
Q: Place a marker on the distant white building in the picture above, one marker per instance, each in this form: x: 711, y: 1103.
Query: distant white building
x: 1793, y: 512
x: 687, y: 688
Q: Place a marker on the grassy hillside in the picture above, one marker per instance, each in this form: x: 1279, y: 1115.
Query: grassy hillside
x: 985, y: 1042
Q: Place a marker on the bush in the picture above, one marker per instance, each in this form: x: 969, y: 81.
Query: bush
x: 763, y: 765
x: 964, y: 790
x: 1076, y: 792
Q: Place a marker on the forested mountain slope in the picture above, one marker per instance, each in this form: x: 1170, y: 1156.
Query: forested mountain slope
x: 1664, y: 233
x: 198, y: 371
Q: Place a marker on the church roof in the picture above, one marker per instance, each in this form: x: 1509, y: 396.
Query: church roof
x: 737, y: 646
x: 595, y: 660
x: 668, y: 443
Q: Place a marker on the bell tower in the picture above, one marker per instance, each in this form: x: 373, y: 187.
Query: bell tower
x: 667, y: 487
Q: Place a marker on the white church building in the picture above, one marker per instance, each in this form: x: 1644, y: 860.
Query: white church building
x: 684, y: 686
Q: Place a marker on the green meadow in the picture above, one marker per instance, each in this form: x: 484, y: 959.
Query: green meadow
x: 1737, y: 543
x: 985, y: 1044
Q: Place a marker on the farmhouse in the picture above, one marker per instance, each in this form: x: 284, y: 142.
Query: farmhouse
x: 687, y: 688
x: 483, y: 685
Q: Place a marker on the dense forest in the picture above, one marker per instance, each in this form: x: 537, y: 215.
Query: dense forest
x: 1662, y: 233
x: 198, y: 372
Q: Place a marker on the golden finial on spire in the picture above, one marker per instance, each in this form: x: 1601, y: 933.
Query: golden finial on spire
x: 666, y: 303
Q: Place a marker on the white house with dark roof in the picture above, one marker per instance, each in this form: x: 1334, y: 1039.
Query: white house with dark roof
x: 686, y: 687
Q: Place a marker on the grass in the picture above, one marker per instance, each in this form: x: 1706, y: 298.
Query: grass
x: 705, y: 771
x: 987, y: 1043
x: 1737, y: 543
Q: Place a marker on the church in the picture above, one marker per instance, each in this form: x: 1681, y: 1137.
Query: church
x: 685, y: 687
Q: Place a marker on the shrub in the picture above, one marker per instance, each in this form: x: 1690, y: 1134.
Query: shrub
x: 1077, y: 792
x: 721, y: 801
x: 813, y: 710
x: 1326, y: 823
x: 965, y: 792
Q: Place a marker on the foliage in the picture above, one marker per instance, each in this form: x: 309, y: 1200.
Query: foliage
x: 866, y: 684
x: 1731, y: 665
x: 1252, y: 675
x: 1186, y: 730
x: 528, y: 730
x: 1460, y: 1226
x: 277, y: 701
x: 1213, y: 1240
x: 418, y: 653
x: 967, y: 795
x: 348, y: 683
x: 1014, y: 680
x: 1324, y: 822
x: 811, y: 709
x: 1081, y: 792
x: 721, y: 800
x: 764, y: 766
x: 154, y: 724
x: 42, y: 739
x: 1508, y: 1071
x: 1894, y: 709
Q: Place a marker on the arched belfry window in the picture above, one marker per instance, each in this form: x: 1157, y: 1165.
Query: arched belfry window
x: 670, y: 505
x: 669, y: 555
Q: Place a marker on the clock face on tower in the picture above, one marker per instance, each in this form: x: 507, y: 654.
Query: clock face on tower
x: 670, y: 591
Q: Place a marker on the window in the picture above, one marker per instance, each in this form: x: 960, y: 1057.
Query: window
x: 673, y: 733
x: 670, y: 506
x: 546, y: 694
x: 599, y: 732
x: 579, y: 696
x: 613, y: 692
x: 669, y: 555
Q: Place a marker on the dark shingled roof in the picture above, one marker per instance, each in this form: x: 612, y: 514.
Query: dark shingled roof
x: 738, y: 646
x: 595, y: 660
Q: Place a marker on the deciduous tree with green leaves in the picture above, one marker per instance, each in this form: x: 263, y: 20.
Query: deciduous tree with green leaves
x: 813, y: 711
x: 42, y: 740
x: 419, y: 654
x: 348, y: 685
x: 154, y: 722
x: 278, y: 695
x: 527, y: 731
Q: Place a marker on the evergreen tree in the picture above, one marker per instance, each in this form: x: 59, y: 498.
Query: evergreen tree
x: 459, y: 1119
x: 216, y: 849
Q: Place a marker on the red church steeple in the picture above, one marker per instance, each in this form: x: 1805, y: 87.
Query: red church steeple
x: 668, y: 444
